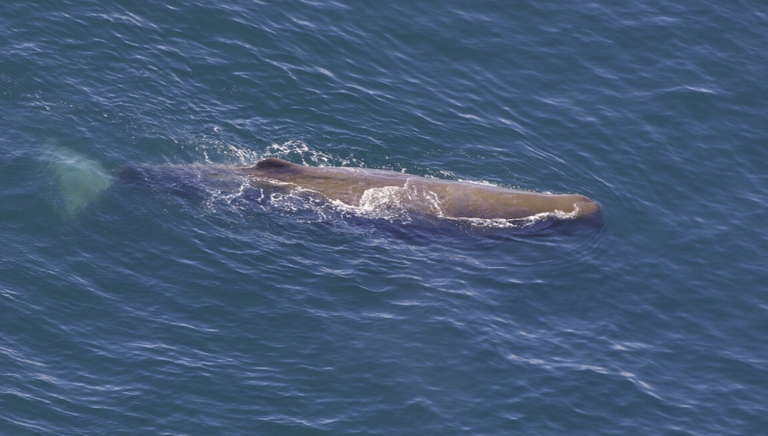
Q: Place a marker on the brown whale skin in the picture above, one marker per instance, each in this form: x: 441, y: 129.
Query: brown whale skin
x: 443, y: 198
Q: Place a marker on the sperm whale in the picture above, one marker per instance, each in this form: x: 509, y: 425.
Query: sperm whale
x: 359, y: 187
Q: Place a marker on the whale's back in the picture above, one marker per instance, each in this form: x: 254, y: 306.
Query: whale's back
x: 449, y: 198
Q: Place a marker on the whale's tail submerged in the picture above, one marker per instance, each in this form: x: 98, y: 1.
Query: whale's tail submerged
x: 81, y: 181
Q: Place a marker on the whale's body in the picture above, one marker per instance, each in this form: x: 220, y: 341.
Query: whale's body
x: 361, y: 187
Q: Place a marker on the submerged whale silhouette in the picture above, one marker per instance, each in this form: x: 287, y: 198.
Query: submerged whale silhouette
x: 362, y: 187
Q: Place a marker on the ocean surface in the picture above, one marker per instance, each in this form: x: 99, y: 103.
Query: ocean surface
x: 196, y: 304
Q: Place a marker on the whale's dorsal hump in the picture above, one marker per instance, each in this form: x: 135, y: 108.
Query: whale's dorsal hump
x: 273, y: 163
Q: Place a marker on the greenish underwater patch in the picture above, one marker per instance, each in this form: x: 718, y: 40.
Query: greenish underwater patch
x: 81, y: 181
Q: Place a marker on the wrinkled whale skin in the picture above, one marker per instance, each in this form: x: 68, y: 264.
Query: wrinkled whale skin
x: 443, y: 198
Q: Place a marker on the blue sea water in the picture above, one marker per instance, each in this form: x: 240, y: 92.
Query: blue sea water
x: 192, y: 305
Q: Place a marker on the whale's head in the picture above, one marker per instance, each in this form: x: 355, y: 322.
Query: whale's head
x: 587, y: 208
